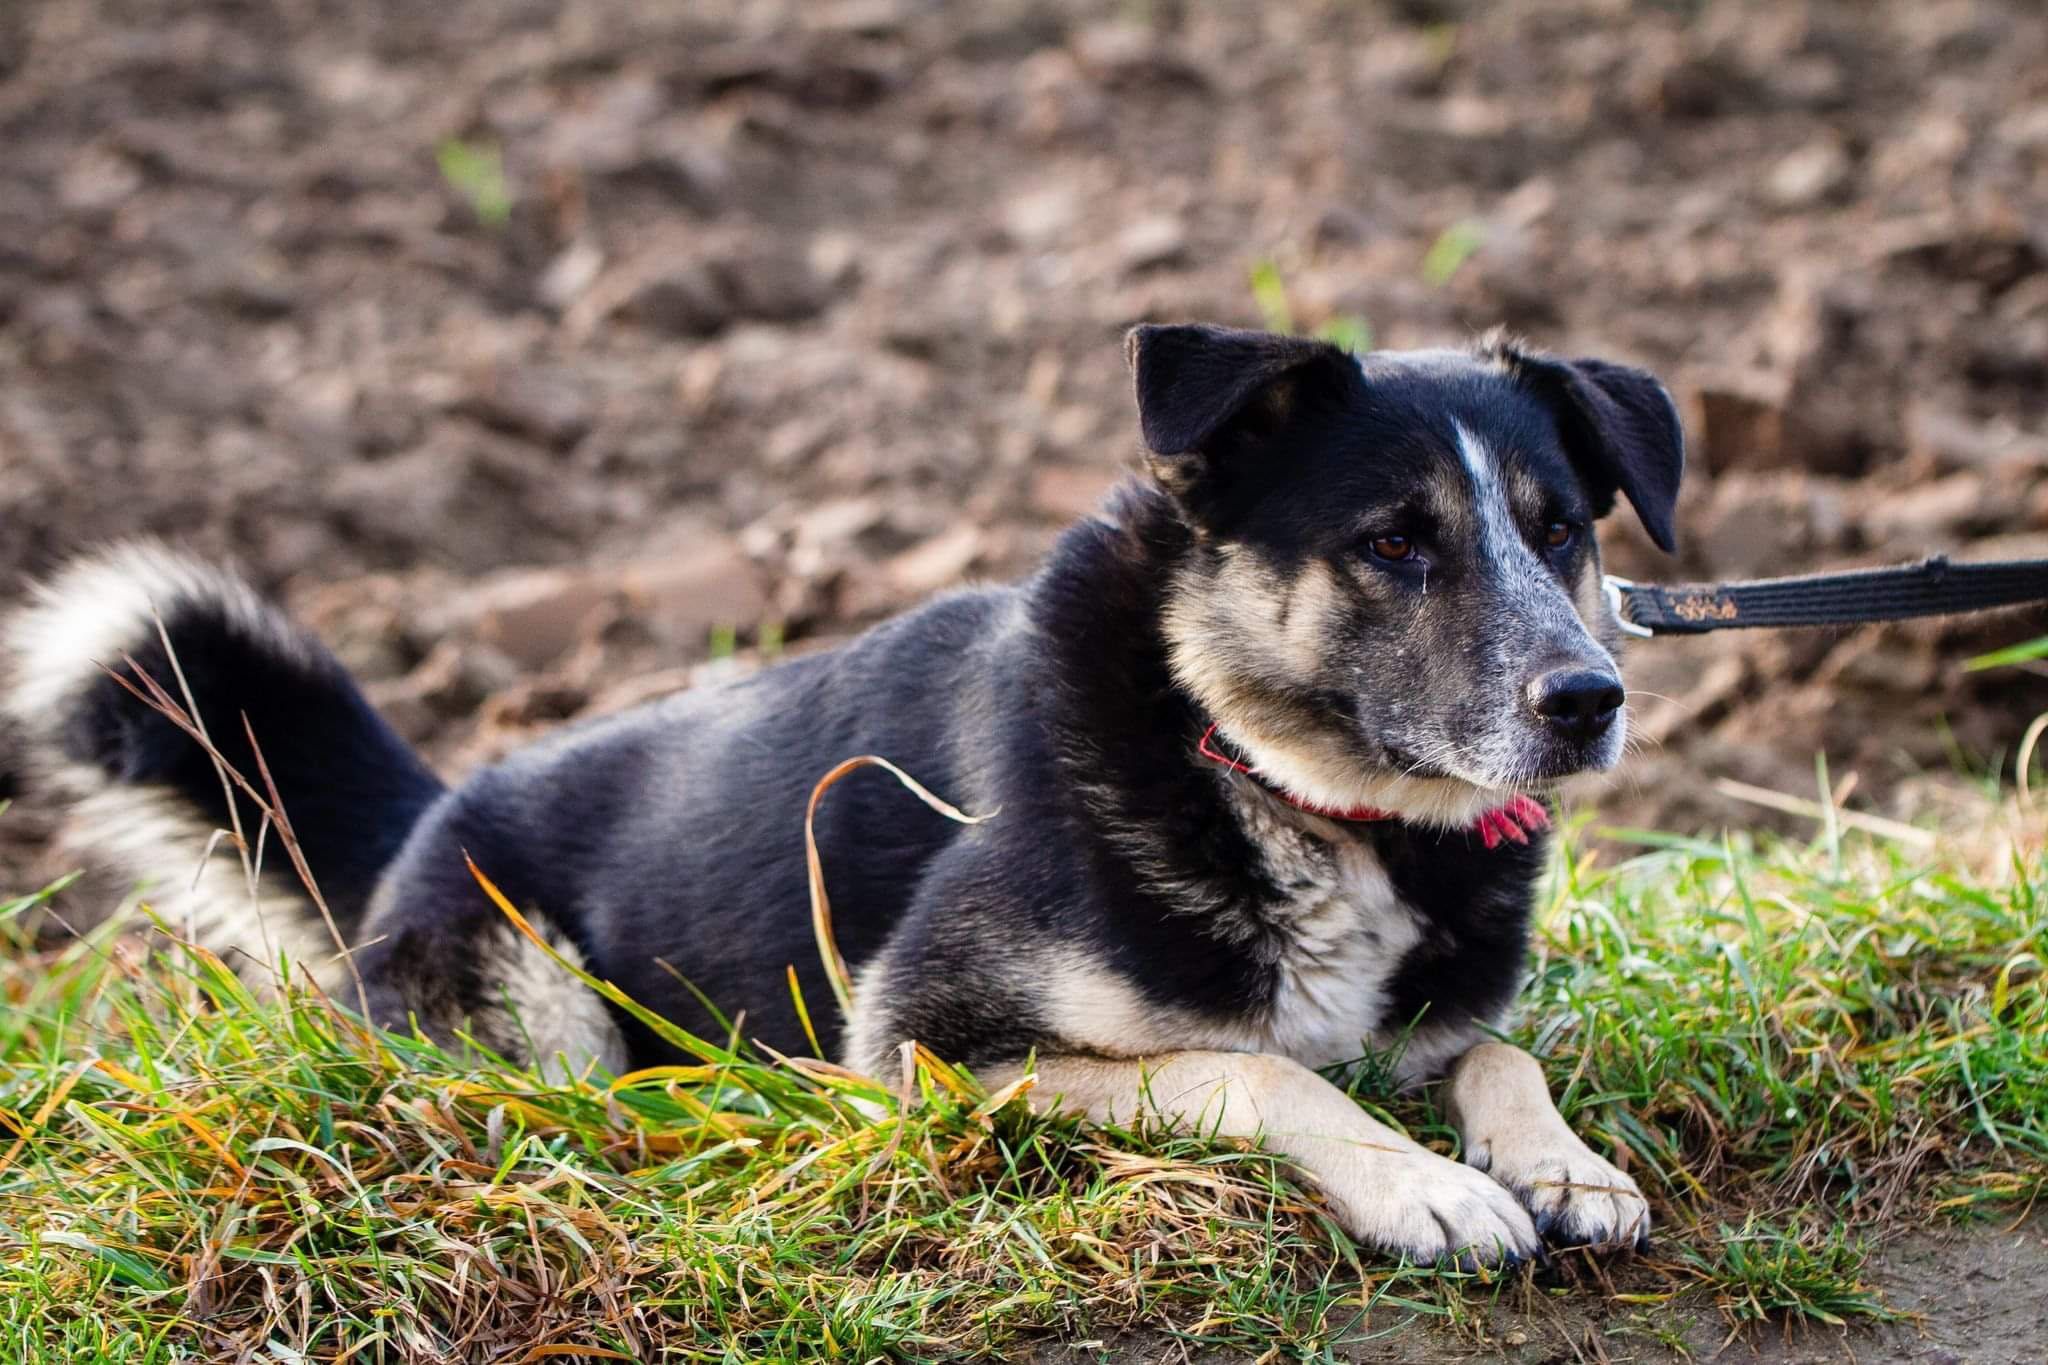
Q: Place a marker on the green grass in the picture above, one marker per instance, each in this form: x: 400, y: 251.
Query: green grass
x: 1792, y: 1045
x: 1346, y: 331
x: 2025, y: 652
x: 476, y: 171
x: 1451, y: 249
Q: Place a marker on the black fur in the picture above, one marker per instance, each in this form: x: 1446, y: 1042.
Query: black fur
x: 666, y: 839
x: 1193, y: 379
x: 1622, y: 430
x: 351, y: 788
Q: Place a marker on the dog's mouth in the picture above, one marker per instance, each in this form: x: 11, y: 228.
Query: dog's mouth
x: 1537, y: 767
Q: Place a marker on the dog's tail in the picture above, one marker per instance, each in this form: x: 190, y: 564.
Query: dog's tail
x: 145, y: 798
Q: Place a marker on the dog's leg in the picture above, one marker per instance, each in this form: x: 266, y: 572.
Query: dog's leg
x: 438, y: 955
x: 1387, y: 1191
x: 1510, y: 1129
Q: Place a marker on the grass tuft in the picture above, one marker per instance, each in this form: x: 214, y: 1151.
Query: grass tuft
x: 1793, y: 1046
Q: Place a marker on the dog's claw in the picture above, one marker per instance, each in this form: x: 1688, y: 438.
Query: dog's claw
x: 1506, y: 1260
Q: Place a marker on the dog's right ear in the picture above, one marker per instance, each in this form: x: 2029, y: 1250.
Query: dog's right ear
x: 1193, y: 379
x: 1202, y: 391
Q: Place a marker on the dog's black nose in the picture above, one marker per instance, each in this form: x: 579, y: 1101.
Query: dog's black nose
x: 1578, y: 703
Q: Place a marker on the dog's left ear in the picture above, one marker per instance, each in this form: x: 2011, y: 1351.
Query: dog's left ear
x: 1620, y: 429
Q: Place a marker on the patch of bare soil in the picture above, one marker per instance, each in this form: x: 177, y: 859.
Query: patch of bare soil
x: 1974, y: 1295
x: 522, y: 343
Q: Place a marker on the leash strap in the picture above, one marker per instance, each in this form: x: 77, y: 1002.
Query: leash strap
x: 1933, y: 587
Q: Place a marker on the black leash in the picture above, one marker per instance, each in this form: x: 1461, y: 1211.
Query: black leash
x: 1933, y: 587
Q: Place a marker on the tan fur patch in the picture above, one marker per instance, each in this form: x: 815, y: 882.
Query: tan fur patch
x: 1217, y: 622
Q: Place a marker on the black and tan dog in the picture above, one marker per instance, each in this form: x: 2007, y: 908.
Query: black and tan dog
x: 1267, y: 737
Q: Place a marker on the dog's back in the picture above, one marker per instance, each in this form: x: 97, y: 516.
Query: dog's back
x: 665, y: 843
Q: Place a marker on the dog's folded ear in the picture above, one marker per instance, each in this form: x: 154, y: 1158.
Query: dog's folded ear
x: 1621, y: 429
x: 1212, y: 400
x: 1194, y: 380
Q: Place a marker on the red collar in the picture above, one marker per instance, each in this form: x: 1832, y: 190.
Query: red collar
x: 1512, y: 823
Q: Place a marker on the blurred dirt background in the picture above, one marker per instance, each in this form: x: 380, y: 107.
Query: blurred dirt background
x: 546, y: 355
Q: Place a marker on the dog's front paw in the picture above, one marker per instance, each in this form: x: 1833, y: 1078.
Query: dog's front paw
x: 1429, y: 1208
x: 1577, y: 1197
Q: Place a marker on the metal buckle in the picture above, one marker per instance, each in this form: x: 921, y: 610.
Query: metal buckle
x: 1616, y: 603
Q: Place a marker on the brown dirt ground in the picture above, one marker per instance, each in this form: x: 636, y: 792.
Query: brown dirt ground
x: 802, y: 310
x: 798, y: 310
x: 1973, y: 1297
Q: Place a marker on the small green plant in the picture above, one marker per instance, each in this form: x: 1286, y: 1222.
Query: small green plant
x: 1347, y: 331
x: 1269, y: 291
x: 1451, y: 249
x: 1764, y: 1269
x: 476, y: 171
x: 2011, y: 655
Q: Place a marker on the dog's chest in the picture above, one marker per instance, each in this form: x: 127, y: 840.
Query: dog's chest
x: 1335, y: 938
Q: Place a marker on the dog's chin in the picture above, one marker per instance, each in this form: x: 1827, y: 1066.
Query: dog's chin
x: 1359, y: 773
x: 1543, y: 770
x: 1475, y: 783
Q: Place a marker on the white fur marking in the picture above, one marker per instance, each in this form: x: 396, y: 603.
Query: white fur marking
x: 565, y: 1021
x: 1336, y: 945
x: 1500, y: 543
x: 1510, y: 1129
x: 101, y: 606
x: 196, y: 883
x: 1344, y: 933
x: 1388, y: 1191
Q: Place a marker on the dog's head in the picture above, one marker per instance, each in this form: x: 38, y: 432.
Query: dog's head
x: 1394, y: 597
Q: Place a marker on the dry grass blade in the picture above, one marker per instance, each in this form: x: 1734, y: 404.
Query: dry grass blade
x: 1814, y: 810
x: 152, y: 694
x: 2024, y: 763
x: 821, y: 906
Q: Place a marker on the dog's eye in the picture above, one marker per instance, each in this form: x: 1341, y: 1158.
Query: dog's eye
x: 1393, y: 547
x: 1559, y: 534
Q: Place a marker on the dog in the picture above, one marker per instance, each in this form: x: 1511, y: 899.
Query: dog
x: 1264, y: 742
